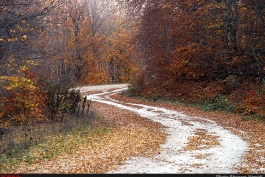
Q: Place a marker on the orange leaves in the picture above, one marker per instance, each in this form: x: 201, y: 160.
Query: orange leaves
x: 170, y: 41
x: 23, y: 100
x: 254, y: 103
x: 201, y: 140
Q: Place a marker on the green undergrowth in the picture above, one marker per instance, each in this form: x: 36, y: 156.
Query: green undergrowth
x: 255, y: 117
x: 62, y: 143
x: 219, y: 103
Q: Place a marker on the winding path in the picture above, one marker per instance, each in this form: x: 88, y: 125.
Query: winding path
x: 194, y: 144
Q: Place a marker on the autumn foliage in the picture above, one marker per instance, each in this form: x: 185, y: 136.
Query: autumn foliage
x: 198, y: 50
x: 27, y: 99
x: 22, y: 101
x: 49, y: 47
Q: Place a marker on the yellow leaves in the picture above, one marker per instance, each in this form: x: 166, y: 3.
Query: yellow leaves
x: 4, y: 77
x: 11, y: 39
x: 244, y: 9
x: 14, y: 83
x: 20, y: 28
x: 17, y: 82
x: 31, y: 62
x: 23, y: 68
x: 215, y: 25
x: 51, y: 24
x: 24, y: 37
x: 4, y: 9
x: 23, y: 100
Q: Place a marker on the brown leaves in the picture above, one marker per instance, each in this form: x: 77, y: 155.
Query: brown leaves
x: 201, y: 140
x: 132, y: 136
x: 251, y: 131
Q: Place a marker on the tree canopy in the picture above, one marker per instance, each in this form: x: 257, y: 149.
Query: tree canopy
x: 193, y: 50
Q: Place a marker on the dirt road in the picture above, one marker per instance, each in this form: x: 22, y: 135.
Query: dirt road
x: 194, y: 144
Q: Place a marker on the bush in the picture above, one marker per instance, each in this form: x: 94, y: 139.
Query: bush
x: 60, y: 100
x: 26, y: 98
x: 132, y: 91
x: 220, y: 103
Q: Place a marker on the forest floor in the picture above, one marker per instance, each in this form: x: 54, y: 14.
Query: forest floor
x: 160, y: 137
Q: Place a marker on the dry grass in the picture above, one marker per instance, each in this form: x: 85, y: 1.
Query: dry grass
x: 29, y: 135
x: 130, y: 136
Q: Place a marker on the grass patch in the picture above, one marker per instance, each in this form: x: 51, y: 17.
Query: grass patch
x: 179, y: 102
x: 132, y: 91
x: 54, y: 146
x: 220, y: 103
x: 255, y: 117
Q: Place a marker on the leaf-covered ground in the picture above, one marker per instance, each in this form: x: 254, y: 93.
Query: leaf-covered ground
x: 134, y: 136
x: 131, y: 136
x: 251, y: 131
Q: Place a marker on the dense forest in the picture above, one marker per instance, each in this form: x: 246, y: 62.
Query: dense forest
x: 50, y: 46
x: 209, y: 52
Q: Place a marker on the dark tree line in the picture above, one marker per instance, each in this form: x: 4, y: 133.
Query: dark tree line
x: 199, y: 49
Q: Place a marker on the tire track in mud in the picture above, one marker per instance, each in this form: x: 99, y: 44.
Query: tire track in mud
x: 194, y: 144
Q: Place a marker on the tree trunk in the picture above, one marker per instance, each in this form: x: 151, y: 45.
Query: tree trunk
x: 254, y: 52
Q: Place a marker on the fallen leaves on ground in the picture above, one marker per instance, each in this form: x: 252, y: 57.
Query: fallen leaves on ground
x: 251, y: 131
x: 201, y: 140
x: 134, y: 136
x: 131, y: 136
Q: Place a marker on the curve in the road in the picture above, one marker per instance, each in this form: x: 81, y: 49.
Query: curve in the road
x: 223, y: 157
